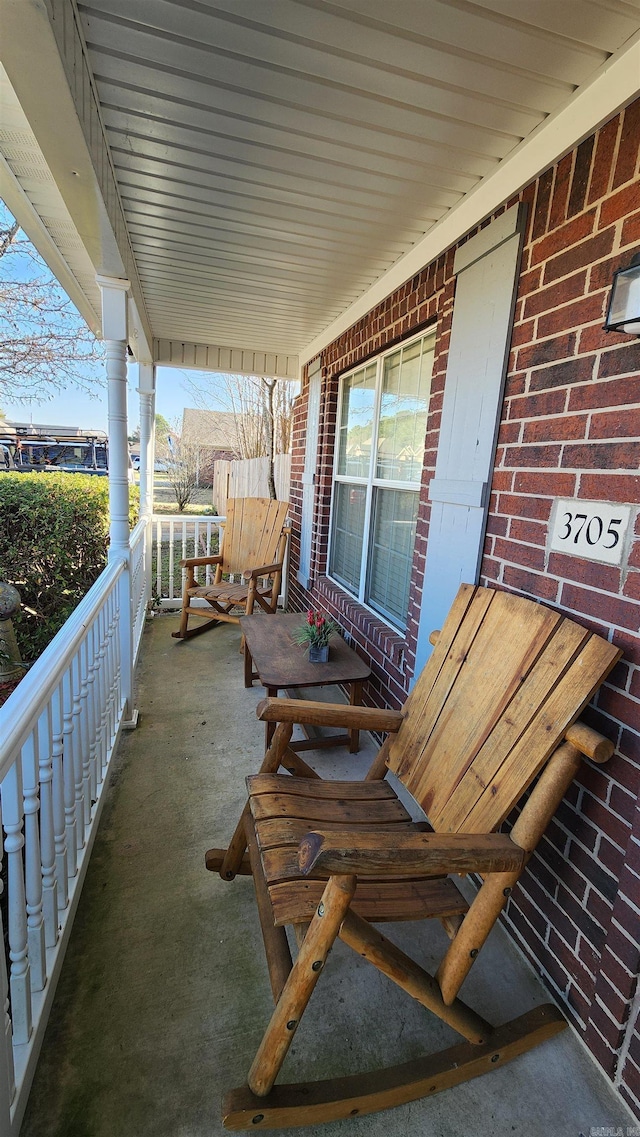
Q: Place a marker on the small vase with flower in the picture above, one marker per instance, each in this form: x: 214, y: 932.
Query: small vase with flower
x: 316, y: 632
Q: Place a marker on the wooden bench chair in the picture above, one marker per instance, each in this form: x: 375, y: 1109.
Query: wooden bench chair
x: 494, y: 710
x: 253, y: 548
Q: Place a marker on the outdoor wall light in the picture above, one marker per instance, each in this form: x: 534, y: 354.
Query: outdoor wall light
x: 623, y: 314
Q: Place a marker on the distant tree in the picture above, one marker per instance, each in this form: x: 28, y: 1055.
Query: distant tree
x: 45, y: 344
x: 262, y: 409
x: 181, y: 459
x: 182, y: 470
x: 164, y: 432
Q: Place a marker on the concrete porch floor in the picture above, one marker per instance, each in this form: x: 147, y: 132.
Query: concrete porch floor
x: 164, y: 992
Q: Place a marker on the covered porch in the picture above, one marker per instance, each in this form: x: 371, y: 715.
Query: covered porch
x: 233, y: 188
x: 164, y: 995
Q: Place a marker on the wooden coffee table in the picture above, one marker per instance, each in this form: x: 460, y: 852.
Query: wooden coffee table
x: 272, y: 657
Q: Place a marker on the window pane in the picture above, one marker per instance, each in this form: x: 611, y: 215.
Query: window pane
x: 356, y: 423
x: 391, y: 554
x: 406, y: 384
x: 348, y: 528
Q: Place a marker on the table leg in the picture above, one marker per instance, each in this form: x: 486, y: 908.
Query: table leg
x: 248, y: 666
x: 270, y: 727
x: 355, y: 699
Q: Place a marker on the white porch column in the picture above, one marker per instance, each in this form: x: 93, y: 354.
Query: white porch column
x: 147, y: 393
x: 114, y: 331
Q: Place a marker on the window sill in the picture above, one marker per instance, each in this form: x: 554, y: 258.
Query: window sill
x: 373, y: 629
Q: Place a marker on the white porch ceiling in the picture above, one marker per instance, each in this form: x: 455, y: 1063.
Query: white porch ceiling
x: 274, y: 158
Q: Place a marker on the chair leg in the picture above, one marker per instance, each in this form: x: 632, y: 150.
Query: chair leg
x: 184, y: 620
x: 369, y: 943
x: 492, y: 896
x: 303, y: 977
x: 228, y: 862
x: 378, y: 768
x: 248, y: 663
x: 274, y: 936
x: 251, y: 597
x: 184, y: 615
x: 300, y: 931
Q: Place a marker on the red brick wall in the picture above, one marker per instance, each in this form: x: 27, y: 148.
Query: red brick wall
x: 570, y: 427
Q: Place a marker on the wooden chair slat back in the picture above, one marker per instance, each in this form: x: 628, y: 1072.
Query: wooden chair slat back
x: 505, y: 680
x: 252, y: 532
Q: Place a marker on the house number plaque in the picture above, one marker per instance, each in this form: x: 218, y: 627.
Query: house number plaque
x: 596, y: 530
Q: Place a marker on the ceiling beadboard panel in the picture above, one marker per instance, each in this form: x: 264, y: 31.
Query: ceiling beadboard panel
x: 274, y: 160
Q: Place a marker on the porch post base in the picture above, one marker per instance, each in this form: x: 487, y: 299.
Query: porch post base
x: 131, y: 723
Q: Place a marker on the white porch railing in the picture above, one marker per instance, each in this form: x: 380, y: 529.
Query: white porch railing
x: 58, y: 732
x: 174, y: 539
x: 140, y: 578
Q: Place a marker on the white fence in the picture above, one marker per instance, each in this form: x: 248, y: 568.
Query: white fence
x: 174, y: 539
x: 250, y: 478
x: 58, y: 731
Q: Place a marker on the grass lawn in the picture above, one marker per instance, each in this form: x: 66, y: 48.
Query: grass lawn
x: 164, y: 503
x: 164, y: 499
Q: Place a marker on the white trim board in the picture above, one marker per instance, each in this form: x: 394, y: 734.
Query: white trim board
x: 234, y: 360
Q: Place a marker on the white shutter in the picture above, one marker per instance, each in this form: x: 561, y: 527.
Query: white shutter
x: 487, y: 268
x: 308, y: 477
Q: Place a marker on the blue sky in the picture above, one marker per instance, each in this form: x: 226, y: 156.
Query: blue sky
x: 76, y: 408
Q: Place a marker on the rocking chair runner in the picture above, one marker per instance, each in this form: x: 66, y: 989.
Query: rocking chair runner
x: 495, y: 707
x: 253, y: 547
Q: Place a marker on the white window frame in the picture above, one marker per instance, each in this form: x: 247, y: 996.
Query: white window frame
x: 371, y: 482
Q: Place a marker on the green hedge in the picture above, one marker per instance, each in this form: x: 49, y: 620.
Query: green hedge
x: 53, y: 545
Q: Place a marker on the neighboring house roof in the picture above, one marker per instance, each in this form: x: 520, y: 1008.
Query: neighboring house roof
x: 214, y: 429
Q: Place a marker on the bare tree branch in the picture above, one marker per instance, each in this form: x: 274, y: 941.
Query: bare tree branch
x: 7, y: 236
x: 262, y: 411
x: 182, y: 460
x: 45, y: 344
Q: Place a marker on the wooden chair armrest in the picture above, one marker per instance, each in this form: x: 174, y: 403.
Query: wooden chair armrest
x: 434, y: 636
x: 192, y: 562
x: 589, y: 742
x: 374, y: 851
x: 328, y: 714
x: 266, y: 570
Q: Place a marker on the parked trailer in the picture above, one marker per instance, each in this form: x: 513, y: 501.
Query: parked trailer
x: 33, y: 448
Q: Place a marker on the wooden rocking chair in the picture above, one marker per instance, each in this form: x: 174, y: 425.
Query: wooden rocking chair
x: 494, y: 709
x: 253, y: 547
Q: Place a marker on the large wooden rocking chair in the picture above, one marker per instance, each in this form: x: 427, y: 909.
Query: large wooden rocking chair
x: 494, y: 709
x: 253, y: 548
